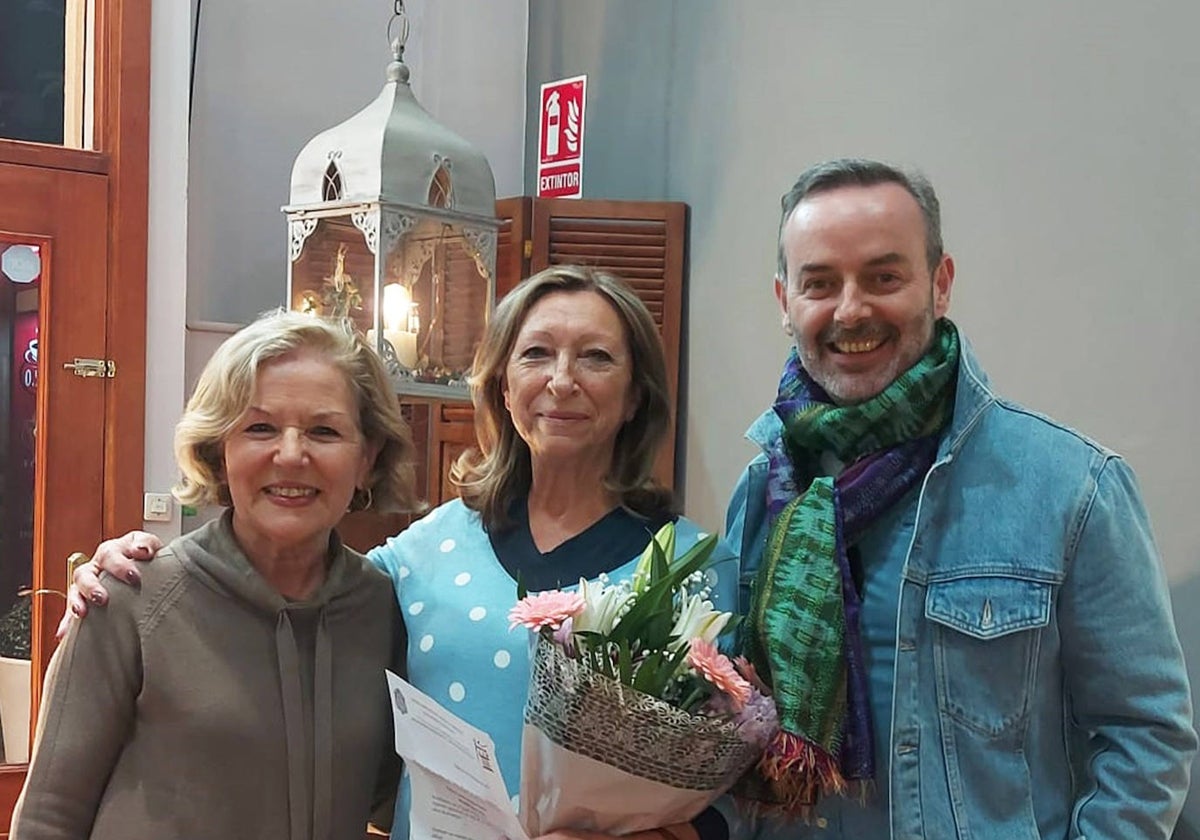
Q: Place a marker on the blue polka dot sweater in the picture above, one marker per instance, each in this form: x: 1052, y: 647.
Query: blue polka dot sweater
x: 455, y: 596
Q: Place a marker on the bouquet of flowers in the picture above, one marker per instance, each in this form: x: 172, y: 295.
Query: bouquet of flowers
x: 635, y: 719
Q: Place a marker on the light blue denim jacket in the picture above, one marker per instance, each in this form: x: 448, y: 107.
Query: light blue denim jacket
x: 1041, y: 687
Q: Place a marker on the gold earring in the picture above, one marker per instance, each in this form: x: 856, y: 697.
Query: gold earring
x: 362, y: 499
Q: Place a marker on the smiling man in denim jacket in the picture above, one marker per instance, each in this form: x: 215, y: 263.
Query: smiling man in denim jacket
x: 958, y: 602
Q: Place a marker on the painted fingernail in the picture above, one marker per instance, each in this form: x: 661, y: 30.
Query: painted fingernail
x: 75, y: 609
x: 95, y: 598
x: 131, y: 576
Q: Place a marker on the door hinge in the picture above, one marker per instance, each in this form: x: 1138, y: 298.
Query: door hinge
x: 528, y: 251
x: 102, y: 368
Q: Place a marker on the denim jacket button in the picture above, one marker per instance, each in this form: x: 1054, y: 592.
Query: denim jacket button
x: 822, y: 822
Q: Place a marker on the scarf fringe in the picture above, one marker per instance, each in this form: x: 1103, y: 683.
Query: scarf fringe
x: 799, y: 772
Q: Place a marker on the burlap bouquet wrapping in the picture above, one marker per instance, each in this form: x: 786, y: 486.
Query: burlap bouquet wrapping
x: 599, y: 755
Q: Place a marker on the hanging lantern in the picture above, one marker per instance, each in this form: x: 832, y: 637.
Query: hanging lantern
x: 391, y: 224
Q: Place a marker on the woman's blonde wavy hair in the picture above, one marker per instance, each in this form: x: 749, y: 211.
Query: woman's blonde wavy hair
x: 493, y: 476
x: 226, y: 387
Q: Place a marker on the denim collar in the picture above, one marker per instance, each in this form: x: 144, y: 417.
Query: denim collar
x: 972, y: 397
x: 971, y: 400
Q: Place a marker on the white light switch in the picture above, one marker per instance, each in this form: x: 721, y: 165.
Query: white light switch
x: 156, y: 507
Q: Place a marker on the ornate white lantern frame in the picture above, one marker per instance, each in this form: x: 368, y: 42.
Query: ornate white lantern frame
x: 383, y: 225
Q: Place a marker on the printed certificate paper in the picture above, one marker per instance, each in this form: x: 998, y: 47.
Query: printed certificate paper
x: 457, y: 790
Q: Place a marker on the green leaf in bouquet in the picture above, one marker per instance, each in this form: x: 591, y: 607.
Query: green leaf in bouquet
x: 654, y: 607
x: 639, y: 622
x: 660, y: 564
x: 647, y: 675
x: 694, y: 558
x: 589, y: 639
x: 694, y: 691
x: 624, y: 663
x: 661, y: 544
x: 671, y: 669
x: 599, y: 661
x: 656, y: 672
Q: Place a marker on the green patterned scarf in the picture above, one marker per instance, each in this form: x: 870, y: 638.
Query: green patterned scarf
x: 802, y: 626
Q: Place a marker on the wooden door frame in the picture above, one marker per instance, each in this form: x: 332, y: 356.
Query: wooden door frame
x: 122, y: 152
x: 122, y: 140
x: 123, y: 132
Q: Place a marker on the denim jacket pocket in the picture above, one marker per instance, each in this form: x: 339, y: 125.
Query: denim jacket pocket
x: 986, y: 638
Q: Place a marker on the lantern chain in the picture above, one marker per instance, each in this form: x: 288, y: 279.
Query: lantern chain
x: 398, y: 15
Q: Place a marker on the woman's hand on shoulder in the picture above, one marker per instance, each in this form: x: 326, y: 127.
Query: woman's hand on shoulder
x: 118, y: 557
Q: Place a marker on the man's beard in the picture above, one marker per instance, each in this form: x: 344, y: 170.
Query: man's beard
x: 846, y: 388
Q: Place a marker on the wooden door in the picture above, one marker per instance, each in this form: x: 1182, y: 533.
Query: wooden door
x: 54, y: 255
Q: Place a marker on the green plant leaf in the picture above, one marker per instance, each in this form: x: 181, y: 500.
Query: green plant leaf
x: 624, y: 663
x: 647, y: 674
x: 655, y: 607
x: 670, y: 669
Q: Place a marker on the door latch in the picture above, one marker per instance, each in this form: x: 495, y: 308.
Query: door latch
x: 102, y: 368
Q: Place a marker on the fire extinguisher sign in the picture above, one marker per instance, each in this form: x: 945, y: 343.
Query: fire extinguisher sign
x: 560, y: 138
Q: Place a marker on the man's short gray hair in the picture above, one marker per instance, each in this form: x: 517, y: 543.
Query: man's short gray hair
x: 860, y: 172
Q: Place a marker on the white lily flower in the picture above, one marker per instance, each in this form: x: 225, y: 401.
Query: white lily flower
x: 698, y: 620
x: 604, y: 604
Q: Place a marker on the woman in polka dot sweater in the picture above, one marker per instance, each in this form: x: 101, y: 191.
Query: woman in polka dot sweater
x: 571, y: 398
x: 571, y: 409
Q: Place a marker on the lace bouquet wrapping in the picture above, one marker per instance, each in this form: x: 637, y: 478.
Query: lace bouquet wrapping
x: 634, y: 718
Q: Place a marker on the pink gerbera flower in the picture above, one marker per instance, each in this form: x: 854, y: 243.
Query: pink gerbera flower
x: 545, y: 609
x: 715, y: 667
x: 746, y: 668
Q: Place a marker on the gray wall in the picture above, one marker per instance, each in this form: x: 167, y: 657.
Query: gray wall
x: 1063, y: 141
x: 270, y: 74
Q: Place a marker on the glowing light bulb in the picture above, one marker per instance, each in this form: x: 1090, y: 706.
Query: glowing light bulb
x: 396, y: 305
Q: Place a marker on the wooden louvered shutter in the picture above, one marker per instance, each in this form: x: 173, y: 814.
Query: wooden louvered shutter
x: 643, y: 242
x: 512, y: 243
